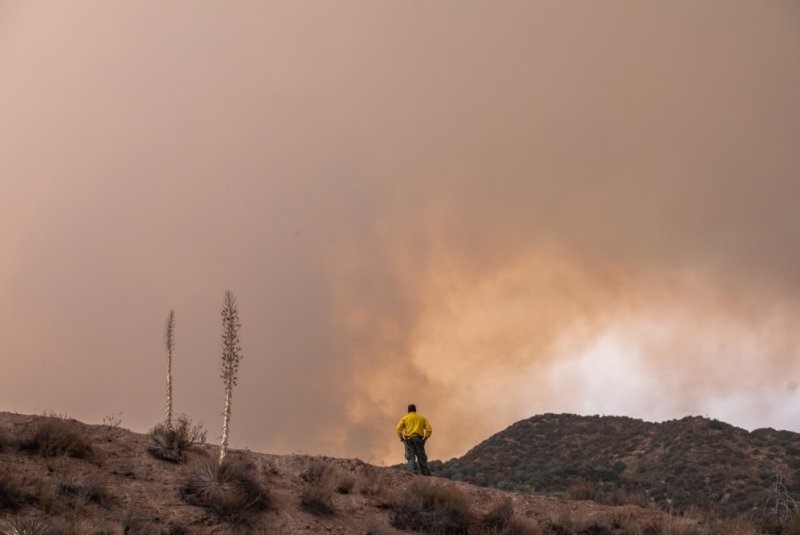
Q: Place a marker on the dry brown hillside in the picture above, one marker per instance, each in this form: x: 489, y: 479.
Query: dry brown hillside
x: 61, y: 476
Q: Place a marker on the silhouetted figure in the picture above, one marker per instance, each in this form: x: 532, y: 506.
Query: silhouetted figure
x: 414, y: 430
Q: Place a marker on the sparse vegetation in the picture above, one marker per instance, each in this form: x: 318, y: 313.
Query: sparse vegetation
x: 499, y: 515
x: 229, y: 491
x: 319, y: 483
x: 344, y: 482
x: 87, y: 489
x: 316, y: 497
x: 53, y: 436
x: 171, y: 443
x: 113, y: 420
x: 431, y: 507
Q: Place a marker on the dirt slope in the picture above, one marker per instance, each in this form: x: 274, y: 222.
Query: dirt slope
x: 117, y: 487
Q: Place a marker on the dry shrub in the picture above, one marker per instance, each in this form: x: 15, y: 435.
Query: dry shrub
x: 87, y: 489
x: 377, y: 489
x: 321, y: 480
x: 580, y: 491
x: 12, y: 496
x: 52, y: 437
x: 171, y: 443
x: 431, y: 507
x: 24, y: 526
x: 580, y: 523
x: 135, y: 522
x: 519, y: 526
x: 317, y: 470
x: 317, y: 497
x: 228, y: 490
x: 621, y: 497
x: 500, y: 514
x: 344, y: 482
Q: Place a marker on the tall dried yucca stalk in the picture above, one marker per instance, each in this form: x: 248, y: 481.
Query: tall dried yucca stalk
x: 231, y: 355
x: 169, y: 341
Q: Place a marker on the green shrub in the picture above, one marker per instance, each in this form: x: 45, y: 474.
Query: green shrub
x: 171, y: 443
x: 228, y: 490
x: 53, y: 437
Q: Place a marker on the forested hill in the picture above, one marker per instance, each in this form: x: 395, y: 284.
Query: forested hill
x: 676, y: 464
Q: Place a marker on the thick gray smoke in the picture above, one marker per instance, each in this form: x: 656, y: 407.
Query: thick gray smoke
x: 489, y: 210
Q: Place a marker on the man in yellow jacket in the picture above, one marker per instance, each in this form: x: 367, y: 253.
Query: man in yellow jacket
x: 414, y: 430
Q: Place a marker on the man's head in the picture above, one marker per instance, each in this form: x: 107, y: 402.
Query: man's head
x: 412, y: 408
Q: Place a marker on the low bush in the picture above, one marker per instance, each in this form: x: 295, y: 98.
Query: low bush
x: 499, y: 515
x: 431, y: 507
x: 12, y: 496
x: 88, y: 489
x: 317, y: 470
x: 344, y: 482
x: 586, y: 523
x: 580, y: 491
x: 228, y: 490
x: 170, y: 443
x: 621, y: 497
x: 321, y: 481
x: 53, y: 437
x: 316, y: 497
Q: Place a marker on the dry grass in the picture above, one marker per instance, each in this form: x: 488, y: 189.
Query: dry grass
x: 317, y: 497
x: 500, y: 520
x: 321, y: 479
x: 580, y: 523
x: 499, y: 515
x: 83, y: 489
x: 228, y: 490
x: 171, y: 444
x: 431, y: 507
x: 53, y: 437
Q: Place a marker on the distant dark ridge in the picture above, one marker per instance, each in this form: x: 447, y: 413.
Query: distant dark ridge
x: 676, y: 464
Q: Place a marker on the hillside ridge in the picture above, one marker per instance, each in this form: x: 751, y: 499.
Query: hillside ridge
x: 677, y: 464
x: 83, y: 479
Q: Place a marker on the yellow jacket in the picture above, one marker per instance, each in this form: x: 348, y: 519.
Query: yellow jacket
x: 414, y: 425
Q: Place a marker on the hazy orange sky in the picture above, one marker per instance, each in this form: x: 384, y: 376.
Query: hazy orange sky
x: 492, y: 209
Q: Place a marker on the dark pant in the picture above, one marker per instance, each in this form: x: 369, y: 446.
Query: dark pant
x: 415, y: 447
